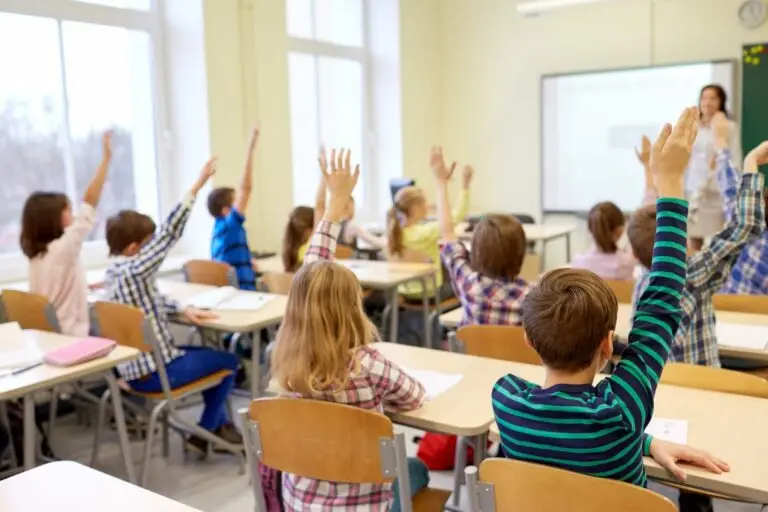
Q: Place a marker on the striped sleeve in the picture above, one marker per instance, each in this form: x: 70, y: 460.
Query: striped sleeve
x: 656, y: 319
x: 322, y: 245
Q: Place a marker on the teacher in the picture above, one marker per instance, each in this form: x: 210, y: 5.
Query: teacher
x: 701, y: 185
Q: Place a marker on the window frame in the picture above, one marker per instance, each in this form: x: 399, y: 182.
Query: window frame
x: 14, y: 266
x: 365, y: 212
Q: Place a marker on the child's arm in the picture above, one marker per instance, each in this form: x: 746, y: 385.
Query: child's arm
x: 246, y: 182
x: 462, y: 206
x: 322, y: 186
x: 708, y: 269
x: 658, y: 312
x: 397, y: 389
x: 153, y: 253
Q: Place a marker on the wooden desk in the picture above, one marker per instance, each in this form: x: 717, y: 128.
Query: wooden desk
x: 247, y: 322
x: 730, y: 426
x: 47, y: 376
x: 71, y: 487
x: 452, y: 319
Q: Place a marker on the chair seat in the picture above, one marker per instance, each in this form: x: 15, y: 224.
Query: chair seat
x: 430, y: 500
x: 198, y: 385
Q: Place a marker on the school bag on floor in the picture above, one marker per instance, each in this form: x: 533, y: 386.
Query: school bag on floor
x: 438, y: 451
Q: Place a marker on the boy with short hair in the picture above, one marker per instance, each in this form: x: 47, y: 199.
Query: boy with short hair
x: 569, y: 319
x: 486, y: 280
x: 229, y: 243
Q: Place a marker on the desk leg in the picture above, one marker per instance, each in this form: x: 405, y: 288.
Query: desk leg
x: 29, y: 431
x: 122, y: 432
x: 256, y: 365
x: 425, y: 312
x: 394, y: 311
x: 568, y: 247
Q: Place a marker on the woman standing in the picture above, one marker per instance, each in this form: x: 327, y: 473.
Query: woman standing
x: 706, y: 217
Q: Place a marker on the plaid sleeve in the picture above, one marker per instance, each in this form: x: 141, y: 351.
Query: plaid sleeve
x: 152, y: 255
x: 728, y: 179
x: 708, y: 269
x: 397, y: 389
x: 322, y: 245
x: 456, y: 260
x: 171, y: 306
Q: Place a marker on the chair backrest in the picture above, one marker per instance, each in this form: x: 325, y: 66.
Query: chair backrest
x: 344, y: 252
x: 214, y: 273
x: 531, y: 269
x: 30, y: 310
x: 122, y: 324
x: 622, y: 289
x: 741, y: 303
x: 278, y: 283
x: 524, y: 218
x: 507, y: 484
x: 505, y: 342
x: 714, y: 379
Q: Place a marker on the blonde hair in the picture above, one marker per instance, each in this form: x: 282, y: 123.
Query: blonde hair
x: 405, y: 199
x: 324, y: 325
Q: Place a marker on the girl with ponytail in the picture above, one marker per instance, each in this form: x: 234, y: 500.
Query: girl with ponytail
x: 606, y: 223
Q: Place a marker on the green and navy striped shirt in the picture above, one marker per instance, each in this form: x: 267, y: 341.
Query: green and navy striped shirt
x: 598, y: 430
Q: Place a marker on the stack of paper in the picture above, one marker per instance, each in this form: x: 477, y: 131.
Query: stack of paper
x: 15, y: 350
x: 229, y: 298
x: 674, y: 431
x: 753, y: 337
x: 434, y: 383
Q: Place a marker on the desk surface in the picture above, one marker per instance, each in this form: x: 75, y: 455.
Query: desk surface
x: 533, y: 232
x: 47, y: 376
x: 270, y: 313
x: 730, y: 426
x: 71, y: 487
x: 372, y: 274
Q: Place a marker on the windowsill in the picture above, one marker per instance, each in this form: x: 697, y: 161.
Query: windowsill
x: 95, y: 276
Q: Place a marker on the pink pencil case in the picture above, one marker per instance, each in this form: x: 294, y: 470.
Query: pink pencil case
x: 80, y: 351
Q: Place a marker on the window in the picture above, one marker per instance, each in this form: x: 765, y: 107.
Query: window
x: 328, y: 71
x: 88, y: 77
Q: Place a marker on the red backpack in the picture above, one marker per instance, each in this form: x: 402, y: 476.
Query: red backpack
x: 438, y: 451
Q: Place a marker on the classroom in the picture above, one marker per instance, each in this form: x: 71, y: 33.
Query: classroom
x: 372, y: 255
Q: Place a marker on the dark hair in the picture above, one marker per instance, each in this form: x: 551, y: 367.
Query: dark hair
x: 721, y: 95
x: 603, y: 221
x: 41, y: 222
x: 127, y: 227
x: 641, y: 233
x: 567, y: 316
x: 220, y: 198
x: 301, y: 220
x: 498, y: 247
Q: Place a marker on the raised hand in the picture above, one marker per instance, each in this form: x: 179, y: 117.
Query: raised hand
x: 254, y: 139
x: 322, y: 160
x: 756, y: 158
x: 466, y: 176
x: 437, y: 163
x: 341, y: 179
x: 208, y: 170
x: 644, y: 153
x: 671, y: 152
x: 106, y: 145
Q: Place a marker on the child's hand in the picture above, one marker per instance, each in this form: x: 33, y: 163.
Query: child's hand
x: 671, y: 152
x: 254, y: 139
x: 106, y: 145
x: 341, y: 182
x: 722, y: 130
x: 756, y: 158
x: 466, y: 176
x: 198, y: 316
x: 669, y: 454
x: 322, y: 161
x: 442, y: 173
x: 208, y: 170
x: 644, y: 153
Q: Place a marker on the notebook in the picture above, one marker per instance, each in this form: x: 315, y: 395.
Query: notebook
x: 81, y: 351
x: 435, y: 383
x: 674, y: 431
x: 753, y: 337
x: 16, y: 350
x: 229, y: 298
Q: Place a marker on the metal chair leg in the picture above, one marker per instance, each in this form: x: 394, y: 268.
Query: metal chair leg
x: 99, y: 426
x: 166, y: 436
x: 6, y: 423
x: 52, y: 410
x: 159, y: 408
x: 458, y: 471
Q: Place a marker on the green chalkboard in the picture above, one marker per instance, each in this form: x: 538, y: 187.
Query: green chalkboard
x: 754, y: 98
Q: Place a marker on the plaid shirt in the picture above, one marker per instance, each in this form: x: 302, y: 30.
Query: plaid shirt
x: 378, y: 384
x: 132, y: 281
x: 485, y: 300
x: 696, y: 340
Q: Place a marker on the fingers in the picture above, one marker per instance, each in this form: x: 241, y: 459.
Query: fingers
x: 706, y: 461
x: 347, y: 165
x: 679, y: 130
x: 677, y: 471
x: 356, y: 174
x: 692, y: 135
x: 340, y: 161
x: 661, y: 140
x: 453, y: 168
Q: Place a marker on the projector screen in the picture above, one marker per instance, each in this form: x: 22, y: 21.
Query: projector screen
x: 591, y: 123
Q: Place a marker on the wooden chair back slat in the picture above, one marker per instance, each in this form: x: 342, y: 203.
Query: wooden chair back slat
x: 122, y: 324
x: 213, y: 273
x: 30, y: 310
x: 278, y: 283
x: 328, y: 441
x: 525, y: 486
x: 757, y: 304
x: 714, y: 379
x: 506, y: 342
x: 344, y: 252
x: 622, y: 289
x: 531, y: 269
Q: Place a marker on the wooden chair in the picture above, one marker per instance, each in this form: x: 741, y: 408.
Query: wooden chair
x: 214, y: 273
x: 505, y: 342
x: 757, y: 304
x: 531, y: 269
x: 714, y: 379
x: 127, y: 326
x: 30, y: 311
x: 505, y: 484
x: 278, y: 283
x: 344, y: 252
x: 331, y: 442
x: 622, y: 289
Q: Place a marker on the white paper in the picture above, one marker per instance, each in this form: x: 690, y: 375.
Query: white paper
x: 245, y: 302
x: 212, y: 298
x: 229, y: 298
x: 16, y: 351
x: 753, y: 337
x: 674, y: 431
x: 434, y: 383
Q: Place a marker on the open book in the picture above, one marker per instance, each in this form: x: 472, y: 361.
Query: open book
x: 229, y: 298
x: 16, y: 351
x: 754, y: 337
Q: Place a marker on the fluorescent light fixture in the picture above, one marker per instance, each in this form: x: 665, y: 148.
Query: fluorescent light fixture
x: 538, y: 6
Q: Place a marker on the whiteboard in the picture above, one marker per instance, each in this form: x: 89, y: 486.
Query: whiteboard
x: 591, y: 123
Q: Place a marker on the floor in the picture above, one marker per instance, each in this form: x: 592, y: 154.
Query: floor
x: 213, y: 485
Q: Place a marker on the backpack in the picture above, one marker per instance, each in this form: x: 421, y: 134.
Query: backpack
x: 438, y: 451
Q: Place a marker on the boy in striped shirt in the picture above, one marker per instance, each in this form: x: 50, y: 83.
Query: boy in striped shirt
x: 569, y: 319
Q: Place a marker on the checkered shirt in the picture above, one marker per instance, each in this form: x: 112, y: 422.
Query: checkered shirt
x: 484, y: 300
x: 377, y: 384
x: 696, y: 339
x: 132, y: 281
